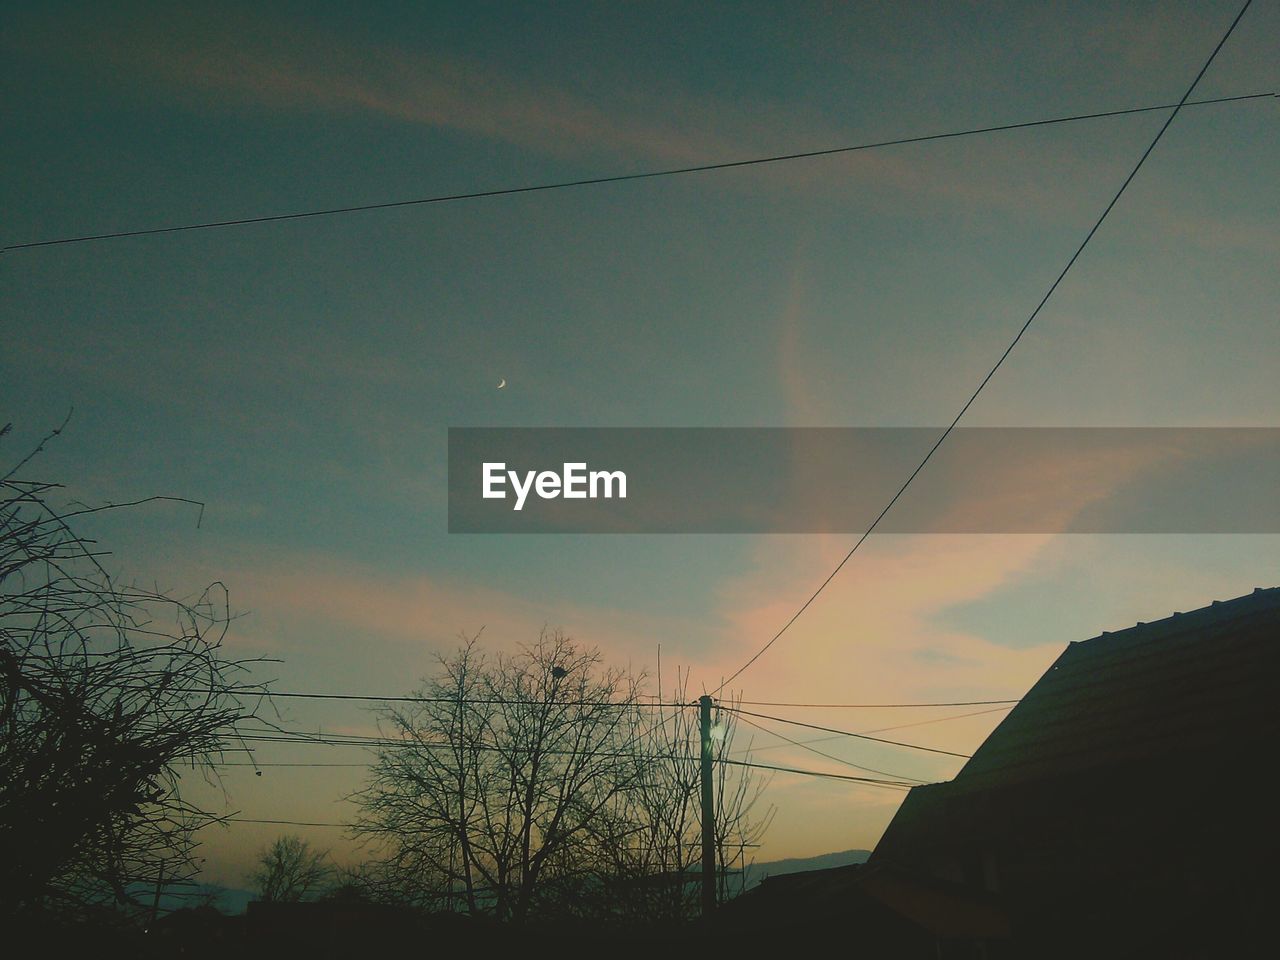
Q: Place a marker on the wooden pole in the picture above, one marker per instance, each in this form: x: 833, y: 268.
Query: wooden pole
x: 708, y: 811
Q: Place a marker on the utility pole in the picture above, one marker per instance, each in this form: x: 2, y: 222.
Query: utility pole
x: 708, y: 811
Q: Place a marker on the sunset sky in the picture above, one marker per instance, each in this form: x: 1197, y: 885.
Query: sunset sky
x: 299, y: 377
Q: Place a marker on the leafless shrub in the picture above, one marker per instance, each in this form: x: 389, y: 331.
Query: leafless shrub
x: 108, y: 693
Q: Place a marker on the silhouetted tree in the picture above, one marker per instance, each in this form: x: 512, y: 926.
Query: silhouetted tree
x: 653, y: 840
x: 107, y: 693
x: 536, y: 782
x: 290, y: 870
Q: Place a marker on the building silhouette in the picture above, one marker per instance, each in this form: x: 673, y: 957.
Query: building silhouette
x: 1123, y: 808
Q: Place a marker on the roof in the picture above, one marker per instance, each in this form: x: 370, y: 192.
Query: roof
x: 1103, y: 797
x: 1190, y: 682
x: 1136, y: 707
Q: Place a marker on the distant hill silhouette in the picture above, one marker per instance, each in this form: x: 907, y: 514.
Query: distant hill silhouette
x: 228, y: 900
x: 231, y: 901
x: 776, y: 868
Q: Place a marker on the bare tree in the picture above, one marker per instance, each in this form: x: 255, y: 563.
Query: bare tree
x: 655, y: 849
x: 540, y: 781
x: 498, y: 775
x: 290, y: 870
x: 107, y: 693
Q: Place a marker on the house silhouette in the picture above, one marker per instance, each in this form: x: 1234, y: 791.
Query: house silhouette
x: 1121, y: 809
x: 1118, y: 810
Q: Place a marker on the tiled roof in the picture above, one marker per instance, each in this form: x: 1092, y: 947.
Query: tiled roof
x: 1186, y: 686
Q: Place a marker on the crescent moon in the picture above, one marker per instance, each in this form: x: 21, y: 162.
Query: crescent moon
x: 502, y: 383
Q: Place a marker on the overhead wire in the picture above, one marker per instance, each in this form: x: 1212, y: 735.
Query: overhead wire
x: 616, y: 178
x: 874, y: 706
x: 923, y: 723
x: 895, y: 782
x: 999, y: 362
x: 274, y: 735
x: 286, y: 823
x: 276, y: 763
x: 828, y: 756
x: 847, y: 733
x: 900, y: 726
x: 362, y: 740
x: 358, y: 740
x: 891, y: 784
x: 269, y: 693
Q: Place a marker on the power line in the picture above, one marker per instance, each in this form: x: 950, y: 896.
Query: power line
x: 362, y: 740
x: 282, y: 735
x: 467, y: 701
x: 891, y: 784
x: 829, y: 756
x: 847, y: 733
x: 274, y: 763
x: 900, y: 726
x: 620, y: 178
x: 1008, y: 350
x: 773, y: 768
x: 901, y: 784
x: 922, y: 723
x: 285, y: 823
x: 875, y: 706
x: 374, y: 743
x: 299, y: 736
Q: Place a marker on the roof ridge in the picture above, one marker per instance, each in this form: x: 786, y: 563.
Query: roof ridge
x: 1217, y: 609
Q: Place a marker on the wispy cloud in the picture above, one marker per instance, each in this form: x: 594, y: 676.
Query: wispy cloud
x: 256, y: 63
x: 259, y: 63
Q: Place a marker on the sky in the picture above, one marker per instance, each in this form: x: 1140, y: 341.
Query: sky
x: 299, y: 377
